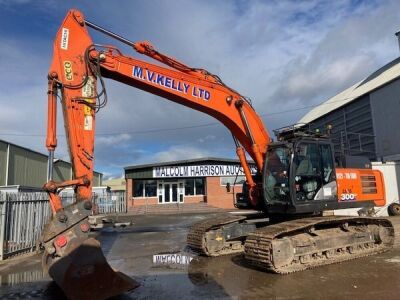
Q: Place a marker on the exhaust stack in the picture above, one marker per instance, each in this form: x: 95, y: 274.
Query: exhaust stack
x: 397, y: 34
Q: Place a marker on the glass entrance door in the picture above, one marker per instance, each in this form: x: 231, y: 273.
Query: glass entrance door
x: 172, y: 192
x: 167, y: 192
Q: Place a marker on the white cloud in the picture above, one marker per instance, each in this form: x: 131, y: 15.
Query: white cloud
x: 344, y: 54
x: 178, y: 153
x: 208, y: 137
x: 113, y: 139
x: 109, y: 176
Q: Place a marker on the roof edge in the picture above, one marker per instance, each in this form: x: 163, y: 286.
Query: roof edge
x: 185, y: 161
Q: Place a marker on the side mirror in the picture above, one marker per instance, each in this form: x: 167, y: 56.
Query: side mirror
x: 228, y: 187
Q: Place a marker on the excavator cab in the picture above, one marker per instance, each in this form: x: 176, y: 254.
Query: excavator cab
x: 299, y: 176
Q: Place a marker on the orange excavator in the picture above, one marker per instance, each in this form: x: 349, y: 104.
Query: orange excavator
x: 297, y: 178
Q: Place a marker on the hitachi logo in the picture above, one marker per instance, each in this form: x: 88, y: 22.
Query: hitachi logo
x: 64, y: 38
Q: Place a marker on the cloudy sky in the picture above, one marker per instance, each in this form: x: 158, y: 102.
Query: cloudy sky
x: 287, y: 56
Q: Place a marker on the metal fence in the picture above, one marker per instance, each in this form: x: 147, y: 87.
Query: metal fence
x: 102, y: 203
x: 109, y: 203
x: 24, y: 214
x: 22, y: 218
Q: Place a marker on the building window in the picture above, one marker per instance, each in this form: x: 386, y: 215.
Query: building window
x: 150, y: 188
x: 199, y: 186
x: 231, y: 180
x: 189, y: 187
x: 138, y: 188
x: 145, y: 188
x: 194, y: 187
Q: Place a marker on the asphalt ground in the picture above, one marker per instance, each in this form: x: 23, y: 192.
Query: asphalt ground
x: 131, y: 250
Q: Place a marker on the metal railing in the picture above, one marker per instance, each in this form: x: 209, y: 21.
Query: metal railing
x: 22, y: 218
x: 354, y: 142
x: 24, y: 214
x: 102, y: 203
x: 109, y: 203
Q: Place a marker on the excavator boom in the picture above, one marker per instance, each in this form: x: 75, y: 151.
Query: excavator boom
x: 77, y: 66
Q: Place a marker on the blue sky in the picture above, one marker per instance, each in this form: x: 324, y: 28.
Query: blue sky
x: 284, y: 55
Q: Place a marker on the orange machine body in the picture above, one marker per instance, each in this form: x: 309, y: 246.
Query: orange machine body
x: 360, y: 185
x: 76, y: 78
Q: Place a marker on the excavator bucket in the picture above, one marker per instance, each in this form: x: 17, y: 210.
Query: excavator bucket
x: 85, y: 274
x: 76, y: 262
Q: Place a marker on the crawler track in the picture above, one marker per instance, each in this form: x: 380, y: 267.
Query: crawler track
x: 308, y: 243
x: 199, y: 240
x: 396, y: 225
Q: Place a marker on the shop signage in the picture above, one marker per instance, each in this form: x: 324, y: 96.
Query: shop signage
x: 200, y: 171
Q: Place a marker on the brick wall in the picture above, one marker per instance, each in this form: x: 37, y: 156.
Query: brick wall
x: 135, y: 201
x: 194, y: 199
x: 218, y: 196
x: 129, y: 188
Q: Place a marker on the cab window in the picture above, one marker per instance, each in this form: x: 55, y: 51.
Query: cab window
x: 327, y: 163
x: 307, y: 173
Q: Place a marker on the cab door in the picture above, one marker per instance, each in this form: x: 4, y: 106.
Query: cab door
x: 313, y: 172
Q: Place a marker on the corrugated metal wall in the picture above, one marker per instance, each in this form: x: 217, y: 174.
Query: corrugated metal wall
x: 352, y: 130
x: 139, y: 174
x: 3, y: 162
x: 29, y: 168
x: 26, y: 167
x: 97, y: 179
x: 385, y: 104
x: 61, y: 171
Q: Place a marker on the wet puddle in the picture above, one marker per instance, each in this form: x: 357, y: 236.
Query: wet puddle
x: 22, y: 277
x: 157, y: 257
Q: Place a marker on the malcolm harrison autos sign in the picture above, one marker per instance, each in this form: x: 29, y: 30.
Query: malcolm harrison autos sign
x: 200, y: 171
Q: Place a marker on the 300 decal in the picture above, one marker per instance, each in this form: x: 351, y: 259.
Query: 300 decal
x: 347, y: 197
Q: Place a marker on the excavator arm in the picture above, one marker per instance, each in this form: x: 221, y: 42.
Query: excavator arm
x: 76, y: 78
x: 78, y: 65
